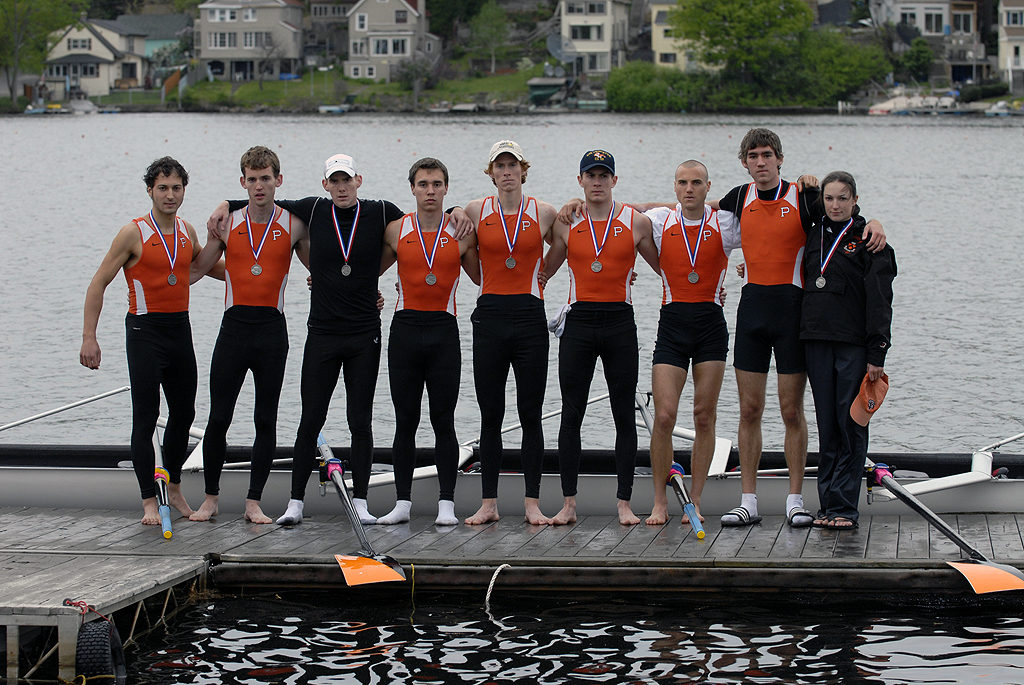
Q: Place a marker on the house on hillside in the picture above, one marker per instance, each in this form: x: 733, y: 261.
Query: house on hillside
x: 594, y: 33
x: 1011, y: 44
x: 668, y: 52
x: 385, y: 33
x: 951, y: 27
x: 327, y: 37
x: 240, y: 40
x: 93, y: 57
x: 160, y: 30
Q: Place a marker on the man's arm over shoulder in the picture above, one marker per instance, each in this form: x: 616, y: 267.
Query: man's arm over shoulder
x: 207, y: 260
x: 389, y: 253
x: 557, y: 252
x: 300, y: 239
x: 470, y: 257
x: 644, y: 232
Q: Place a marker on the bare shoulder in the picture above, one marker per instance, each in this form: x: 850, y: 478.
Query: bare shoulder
x: 473, y: 208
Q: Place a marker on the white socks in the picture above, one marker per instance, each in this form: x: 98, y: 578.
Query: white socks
x: 794, y: 502
x: 446, y: 513
x: 292, y: 514
x: 748, y: 500
x: 364, y: 515
x: 400, y: 514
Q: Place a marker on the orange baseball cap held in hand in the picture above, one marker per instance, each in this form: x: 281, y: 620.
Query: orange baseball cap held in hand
x: 869, y: 399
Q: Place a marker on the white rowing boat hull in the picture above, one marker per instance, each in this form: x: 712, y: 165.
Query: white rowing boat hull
x: 104, y: 488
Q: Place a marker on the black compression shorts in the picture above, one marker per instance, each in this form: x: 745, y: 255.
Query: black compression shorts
x: 768, y: 319
x: 691, y: 331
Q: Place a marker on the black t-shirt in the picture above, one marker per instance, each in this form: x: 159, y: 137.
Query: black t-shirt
x: 339, y: 303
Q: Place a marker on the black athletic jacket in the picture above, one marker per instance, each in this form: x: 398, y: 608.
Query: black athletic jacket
x: 855, y: 304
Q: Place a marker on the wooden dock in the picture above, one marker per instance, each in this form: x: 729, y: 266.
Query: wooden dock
x: 105, y: 558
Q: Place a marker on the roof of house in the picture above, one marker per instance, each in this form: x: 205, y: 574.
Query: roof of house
x: 80, y: 58
x: 157, y: 26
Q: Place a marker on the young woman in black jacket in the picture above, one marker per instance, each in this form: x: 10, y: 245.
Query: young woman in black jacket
x: 846, y: 328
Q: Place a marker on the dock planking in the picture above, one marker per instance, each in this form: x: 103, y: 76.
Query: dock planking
x: 81, y: 541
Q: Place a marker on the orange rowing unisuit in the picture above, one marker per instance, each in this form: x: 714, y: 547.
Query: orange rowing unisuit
x: 500, y: 275
x: 416, y: 290
x: 705, y: 239
x: 149, y: 286
x: 773, y: 238
x: 263, y: 286
x: 608, y: 282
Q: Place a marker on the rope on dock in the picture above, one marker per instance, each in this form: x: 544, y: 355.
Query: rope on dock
x: 490, y: 586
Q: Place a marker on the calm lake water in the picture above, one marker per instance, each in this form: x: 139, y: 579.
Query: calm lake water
x: 947, y: 190
x: 558, y: 639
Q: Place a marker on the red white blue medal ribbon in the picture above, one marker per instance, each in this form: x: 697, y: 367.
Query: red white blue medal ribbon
x: 437, y: 240
x: 345, y: 249
x: 248, y: 227
x: 692, y: 253
x: 607, y: 227
x: 170, y: 258
x: 825, y: 259
x: 511, y: 241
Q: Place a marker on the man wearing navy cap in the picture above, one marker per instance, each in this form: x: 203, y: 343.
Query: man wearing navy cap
x: 601, y: 248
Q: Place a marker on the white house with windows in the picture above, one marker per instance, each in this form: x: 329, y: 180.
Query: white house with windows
x: 240, y: 39
x: 594, y: 33
x: 384, y: 33
x: 1011, y: 44
x: 952, y: 27
x: 668, y: 50
x: 93, y: 57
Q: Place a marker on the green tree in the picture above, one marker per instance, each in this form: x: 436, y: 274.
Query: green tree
x: 110, y: 9
x: 489, y: 29
x: 446, y: 15
x: 25, y: 28
x: 749, y: 39
x: 918, y: 59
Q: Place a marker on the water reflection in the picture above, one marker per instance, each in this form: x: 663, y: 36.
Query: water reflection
x: 637, y: 639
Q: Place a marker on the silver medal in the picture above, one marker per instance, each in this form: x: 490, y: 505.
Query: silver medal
x: 256, y: 269
x: 346, y: 270
x: 171, y: 279
x: 693, y: 277
x: 596, y: 266
x: 431, y: 279
x: 510, y: 262
x: 820, y: 281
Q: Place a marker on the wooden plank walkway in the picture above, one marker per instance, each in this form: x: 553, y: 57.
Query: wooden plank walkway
x: 903, y: 546
x: 107, y: 559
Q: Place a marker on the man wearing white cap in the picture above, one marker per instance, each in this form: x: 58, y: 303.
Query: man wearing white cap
x: 346, y: 237
x: 509, y: 324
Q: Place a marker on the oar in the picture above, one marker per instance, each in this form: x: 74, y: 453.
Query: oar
x: 367, y: 566
x: 983, y: 575
x: 675, y: 478
x: 163, y: 507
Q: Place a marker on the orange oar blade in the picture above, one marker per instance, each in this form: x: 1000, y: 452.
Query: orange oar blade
x: 985, y: 576
x: 362, y: 570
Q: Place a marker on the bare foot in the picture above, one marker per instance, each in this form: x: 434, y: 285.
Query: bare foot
x: 567, y: 515
x: 253, y: 513
x: 626, y: 515
x: 659, y: 515
x: 487, y: 512
x: 150, y: 515
x: 206, y: 510
x: 686, y: 519
x: 534, y: 515
x: 177, y: 500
